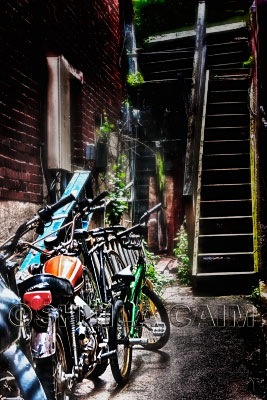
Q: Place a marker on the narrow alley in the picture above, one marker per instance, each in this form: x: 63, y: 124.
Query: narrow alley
x: 130, y: 130
x: 213, y: 353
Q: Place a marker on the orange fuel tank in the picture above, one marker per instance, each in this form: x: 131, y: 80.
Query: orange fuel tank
x: 66, y: 267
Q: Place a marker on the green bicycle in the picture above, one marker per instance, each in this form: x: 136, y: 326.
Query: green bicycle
x: 139, y: 316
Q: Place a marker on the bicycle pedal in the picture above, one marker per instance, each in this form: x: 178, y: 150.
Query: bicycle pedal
x: 159, y: 330
x: 108, y: 354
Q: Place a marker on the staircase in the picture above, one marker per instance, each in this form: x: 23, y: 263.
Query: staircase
x: 225, y: 238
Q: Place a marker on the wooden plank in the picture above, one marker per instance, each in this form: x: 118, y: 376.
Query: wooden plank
x: 224, y: 254
x: 192, y: 33
x: 211, y: 274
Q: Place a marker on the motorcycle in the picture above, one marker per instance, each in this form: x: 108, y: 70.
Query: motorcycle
x: 18, y: 378
x: 66, y: 340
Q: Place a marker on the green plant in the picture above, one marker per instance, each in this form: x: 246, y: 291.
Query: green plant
x: 135, y: 79
x: 249, y: 63
x: 181, y: 253
x: 118, y: 192
x: 105, y: 129
x: 255, y: 296
x: 158, y: 280
x: 160, y: 171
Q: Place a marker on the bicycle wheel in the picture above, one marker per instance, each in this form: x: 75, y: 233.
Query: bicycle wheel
x: 116, y: 262
x: 153, y: 324
x: 118, y: 337
x: 89, y: 292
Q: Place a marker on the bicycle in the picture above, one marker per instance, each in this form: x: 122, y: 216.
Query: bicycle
x: 139, y: 316
x: 100, y: 262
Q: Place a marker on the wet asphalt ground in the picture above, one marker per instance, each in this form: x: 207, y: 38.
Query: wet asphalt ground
x: 214, y: 353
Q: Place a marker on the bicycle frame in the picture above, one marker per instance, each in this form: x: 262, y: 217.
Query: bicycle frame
x: 133, y: 294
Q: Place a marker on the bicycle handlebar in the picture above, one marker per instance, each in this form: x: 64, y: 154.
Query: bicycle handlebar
x: 86, y: 203
x: 98, y: 198
x: 46, y: 213
x: 135, y: 227
x: 149, y: 212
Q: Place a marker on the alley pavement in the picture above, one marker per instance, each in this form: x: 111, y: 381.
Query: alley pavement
x: 214, y: 353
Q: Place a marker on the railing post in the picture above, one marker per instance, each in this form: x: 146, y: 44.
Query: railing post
x: 194, y: 123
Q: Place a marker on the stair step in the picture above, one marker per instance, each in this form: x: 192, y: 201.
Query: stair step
x: 152, y: 83
x: 227, y: 95
x: 161, y: 55
x: 228, y: 83
x: 230, y: 175
x: 222, y: 161
x: 168, y: 74
x: 239, y: 34
x: 215, y: 48
x: 210, y: 263
x: 223, y: 72
x: 220, y: 66
x: 219, y: 225
x: 227, y: 133
x: 170, y: 64
x: 225, y: 208
x: 233, y: 243
x: 227, y: 107
x: 226, y: 274
x: 227, y: 57
x: 226, y: 192
x: 226, y: 146
x: 213, y: 120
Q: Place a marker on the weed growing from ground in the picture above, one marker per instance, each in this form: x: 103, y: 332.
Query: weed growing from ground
x: 181, y: 253
x: 158, y: 280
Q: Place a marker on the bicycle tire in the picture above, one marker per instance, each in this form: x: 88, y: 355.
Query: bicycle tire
x: 89, y: 292
x: 119, y: 330
x: 155, y: 323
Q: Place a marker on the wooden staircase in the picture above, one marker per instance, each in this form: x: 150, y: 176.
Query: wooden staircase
x: 225, y: 241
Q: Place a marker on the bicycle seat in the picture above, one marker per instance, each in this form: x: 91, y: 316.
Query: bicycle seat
x: 125, y: 275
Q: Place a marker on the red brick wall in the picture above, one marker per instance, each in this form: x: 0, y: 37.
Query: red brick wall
x: 89, y: 35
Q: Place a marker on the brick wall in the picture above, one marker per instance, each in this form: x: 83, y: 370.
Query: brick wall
x: 89, y: 34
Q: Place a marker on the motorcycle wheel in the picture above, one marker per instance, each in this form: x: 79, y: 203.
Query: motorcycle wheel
x: 118, y: 335
x: 51, y: 372
x: 100, y: 368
